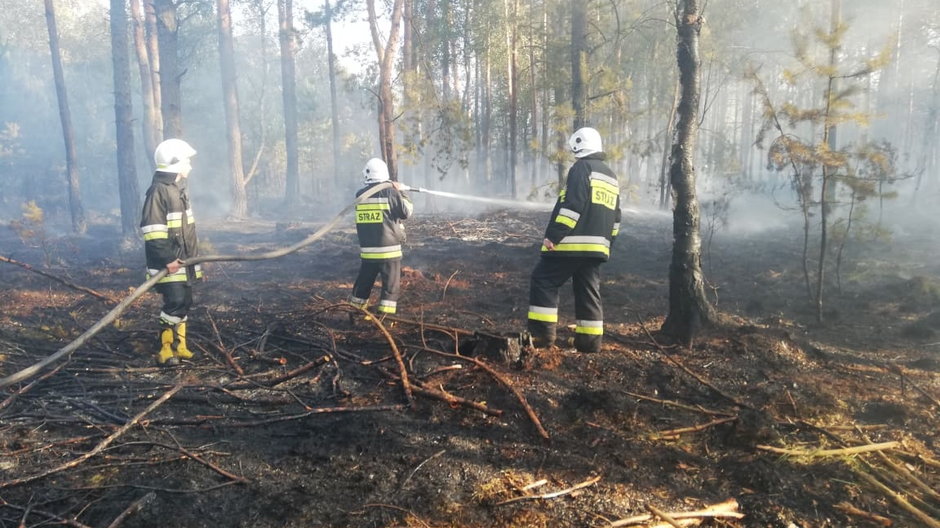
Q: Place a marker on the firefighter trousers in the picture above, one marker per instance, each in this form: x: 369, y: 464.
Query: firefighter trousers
x: 390, y: 270
x: 549, y: 275
x: 177, y: 300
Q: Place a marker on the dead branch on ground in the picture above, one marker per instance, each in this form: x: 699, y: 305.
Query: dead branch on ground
x: 58, y: 279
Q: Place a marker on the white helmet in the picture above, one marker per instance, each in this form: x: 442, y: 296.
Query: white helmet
x: 375, y: 171
x: 173, y: 155
x: 585, y: 141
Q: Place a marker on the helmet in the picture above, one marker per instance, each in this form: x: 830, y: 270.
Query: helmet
x: 173, y: 156
x: 585, y: 141
x: 375, y: 171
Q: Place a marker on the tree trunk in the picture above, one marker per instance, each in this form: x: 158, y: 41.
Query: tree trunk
x: 285, y: 17
x: 170, y: 74
x: 386, y: 58
x: 689, y: 310
x: 513, y: 96
x: 123, y: 121
x: 150, y: 124
x: 334, y: 103
x: 75, y: 196
x: 153, y: 53
x: 578, y: 61
x: 233, y: 130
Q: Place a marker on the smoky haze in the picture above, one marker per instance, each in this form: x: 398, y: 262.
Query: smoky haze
x: 454, y: 108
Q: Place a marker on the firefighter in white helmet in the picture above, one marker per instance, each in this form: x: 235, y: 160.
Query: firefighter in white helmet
x: 379, y: 227
x: 169, y: 231
x: 583, y: 225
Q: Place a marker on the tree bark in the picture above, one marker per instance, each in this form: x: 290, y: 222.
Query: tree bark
x: 233, y: 131
x: 386, y: 58
x: 578, y: 61
x: 513, y: 95
x: 170, y: 76
x: 123, y: 121
x: 76, y: 209
x: 285, y: 17
x: 689, y: 310
x: 334, y: 102
x: 153, y: 53
x: 151, y: 124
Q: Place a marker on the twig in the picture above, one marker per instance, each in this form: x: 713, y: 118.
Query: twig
x: 60, y: 280
x: 663, y: 515
x: 502, y: 379
x: 696, y: 408
x: 222, y: 348
x: 403, y: 372
x: 831, y: 452
x: 268, y: 384
x: 101, y: 446
x: 425, y: 461
x: 552, y: 495
x: 446, y: 284
x: 898, y: 499
x: 728, y: 508
x: 51, y: 516
x: 685, y: 369
x: 132, y: 509
x: 694, y: 428
x: 849, y: 509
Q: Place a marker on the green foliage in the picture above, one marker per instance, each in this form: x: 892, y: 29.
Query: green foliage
x: 31, y: 228
x: 829, y: 180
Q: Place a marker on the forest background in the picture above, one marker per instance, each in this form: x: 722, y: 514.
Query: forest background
x: 483, y: 95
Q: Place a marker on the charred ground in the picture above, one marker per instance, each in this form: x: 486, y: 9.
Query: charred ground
x: 294, y: 412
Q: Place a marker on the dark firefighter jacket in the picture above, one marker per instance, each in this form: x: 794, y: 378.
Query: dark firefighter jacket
x: 378, y: 223
x: 586, y: 217
x: 169, y: 228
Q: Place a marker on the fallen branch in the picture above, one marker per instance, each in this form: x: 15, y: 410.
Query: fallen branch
x: 898, y: 499
x: 849, y: 509
x: 663, y: 515
x: 132, y: 509
x: 831, y: 452
x: 403, y: 372
x: 49, y: 516
x: 502, y: 379
x: 673, y: 433
x: 727, y: 509
x: 552, y: 495
x: 98, y: 448
x: 60, y: 280
x: 696, y: 408
x: 685, y: 369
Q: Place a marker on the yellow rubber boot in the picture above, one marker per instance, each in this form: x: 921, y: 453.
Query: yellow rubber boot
x: 182, y: 351
x: 166, y: 356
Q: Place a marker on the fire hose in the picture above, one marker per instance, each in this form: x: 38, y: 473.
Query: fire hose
x: 115, y: 312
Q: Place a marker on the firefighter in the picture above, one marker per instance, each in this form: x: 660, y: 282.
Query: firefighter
x: 583, y: 225
x: 169, y: 231
x: 379, y: 226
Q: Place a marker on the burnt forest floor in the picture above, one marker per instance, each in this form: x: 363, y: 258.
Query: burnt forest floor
x: 294, y: 412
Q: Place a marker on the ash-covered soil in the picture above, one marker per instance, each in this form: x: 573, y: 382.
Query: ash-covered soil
x: 295, y: 414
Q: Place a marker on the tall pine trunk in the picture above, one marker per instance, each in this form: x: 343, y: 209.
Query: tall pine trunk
x: 153, y: 53
x: 170, y: 78
x: 233, y: 131
x: 65, y: 116
x: 285, y: 16
x: 334, y: 102
x: 123, y: 121
x: 151, y: 124
x: 578, y: 62
x: 688, y: 308
x: 385, y: 52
